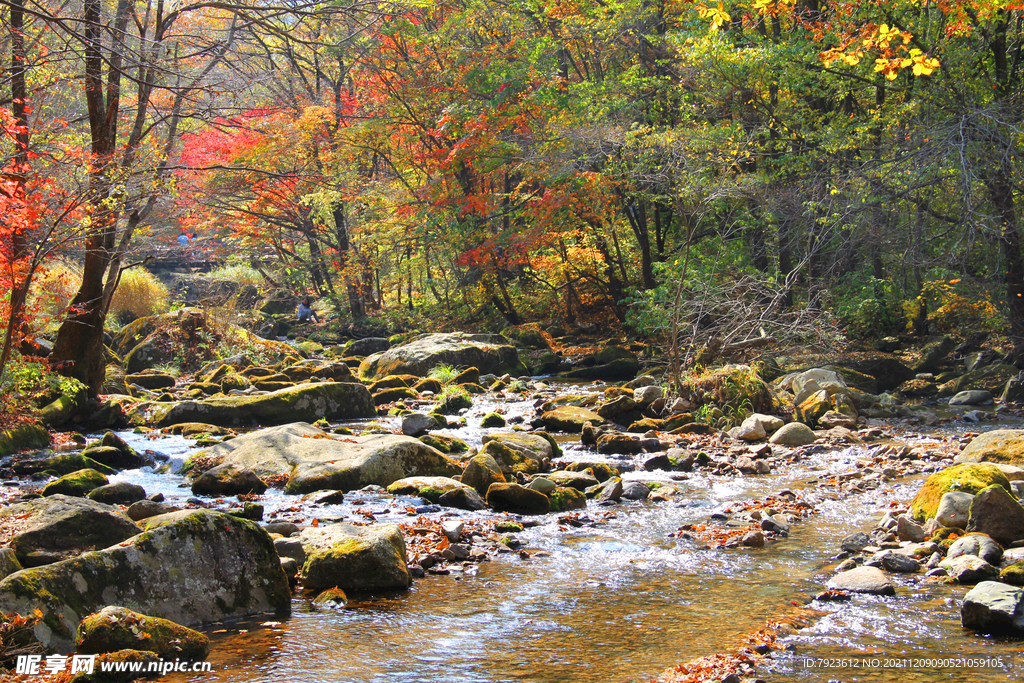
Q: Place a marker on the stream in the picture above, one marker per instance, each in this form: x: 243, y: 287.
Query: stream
x: 616, y: 599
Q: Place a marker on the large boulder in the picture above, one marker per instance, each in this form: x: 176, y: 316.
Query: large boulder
x: 793, y: 434
x: 314, y: 460
x: 23, y: 436
x: 354, y: 558
x: 306, y: 402
x: 998, y: 514
x: 887, y: 370
x: 870, y: 580
x: 967, y: 477
x: 192, y: 567
x: 482, y: 471
x: 116, y: 628
x: 490, y: 353
x: 228, y: 479
x: 54, y: 528
x: 1004, y: 446
x: 992, y: 607
x: 77, y: 483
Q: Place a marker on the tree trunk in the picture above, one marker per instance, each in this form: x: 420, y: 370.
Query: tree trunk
x: 1000, y: 189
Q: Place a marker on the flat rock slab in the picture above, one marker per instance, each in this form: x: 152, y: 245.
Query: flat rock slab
x: 314, y: 460
x: 306, y: 402
x: 192, y: 567
x: 57, y: 527
x: 869, y: 580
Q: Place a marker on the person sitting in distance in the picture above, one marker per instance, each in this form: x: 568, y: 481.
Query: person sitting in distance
x: 306, y: 312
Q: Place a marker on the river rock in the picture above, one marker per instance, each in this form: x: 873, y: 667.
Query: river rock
x: 49, y: 529
x: 991, y: 378
x: 610, y: 492
x: 367, y: 346
x: 577, y: 480
x: 616, y: 369
x: 909, y: 530
x: 564, y: 498
x: 992, y: 607
x: 998, y: 446
x: 998, y: 514
x: 751, y: 429
x: 308, y: 402
x: 978, y: 545
x: 966, y: 477
x: 569, y: 419
x: 635, y: 490
x: 116, y: 628
x: 517, y: 499
x: 144, y: 509
x: 645, y: 396
x: 969, y: 569
x: 971, y: 398
x: 76, y: 483
x: 430, y: 488
x: 24, y: 436
x: 118, y: 493
x: 620, y: 444
x: 934, y: 353
x: 228, y: 479
x: 192, y: 567
x: 771, y: 423
x: 899, y: 563
x: 354, y: 558
x: 954, y: 509
x: 870, y: 580
x: 793, y: 434
x: 855, y: 542
x: 417, y: 424
x: 542, y: 484
x: 482, y: 471
x: 518, y: 452
x: 489, y: 353
x: 314, y: 460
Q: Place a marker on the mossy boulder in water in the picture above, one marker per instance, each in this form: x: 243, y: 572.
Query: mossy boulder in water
x: 116, y: 628
x: 76, y: 483
x: 192, y: 567
x: 314, y: 460
x: 1005, y: 446
x: 57, y: 527
x: 967, y: 477
x: 570, y: 419
x: 306, y: 402
x: 489, y: 353
x: 517, y: 499
x: 61, y: 464
x: 564, y: 498
x: 482, y: 471
x: 118, y: 493
x: 991, y: 378
x: 228, y: 479
x: 515, y: 452
x: 431, y: 488
x: 354, y: 558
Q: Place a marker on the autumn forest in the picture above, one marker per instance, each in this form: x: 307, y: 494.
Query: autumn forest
x: 686, y: 171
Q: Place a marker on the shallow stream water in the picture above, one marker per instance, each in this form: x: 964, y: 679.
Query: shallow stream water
x: 613, y: 600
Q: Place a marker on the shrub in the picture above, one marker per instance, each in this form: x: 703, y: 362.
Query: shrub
x: 242, y: 273
x: 139, y: 294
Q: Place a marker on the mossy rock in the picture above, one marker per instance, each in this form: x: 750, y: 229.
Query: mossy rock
x: 517, y: 499
x: 517, y: 455
x: 991, y: 378
x: 967, y: 477
x: 737, y: 386
x: 454, y: 404
x: 489, y: 353
x: 602, y: 471
x: 22, y: 437
x: 192, y: 567
x: 430, y: 488
x: 334, y: 598
x: 234, y: 381
x: 482, y: 471
x: 467, y: 376
x: 386, y: 396
x: 1003, y: 446
x: 61, y: 464
x: 570, y: 419
x: 76, y: 483
x: 565, y: 498
x: 492, y: 420
x: 142, y: 658
x: 117, y: 628
x: 445, y: 444
x: 354, y: 558
x: 391, y: 382
x: 428, y: 384
x: 330, y: 400
x: 1013, y: 575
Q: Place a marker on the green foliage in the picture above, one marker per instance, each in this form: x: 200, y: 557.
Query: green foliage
x: 870, y: 310
x: 443, y: 373
x: 29, y: 384
x: 237, y: 271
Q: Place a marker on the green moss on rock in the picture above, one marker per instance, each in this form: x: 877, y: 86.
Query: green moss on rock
x: 76, y: 483
x: 967, y: 477
x: 116, y: 628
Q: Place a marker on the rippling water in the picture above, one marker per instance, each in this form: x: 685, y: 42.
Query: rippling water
x: 614, y: 601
